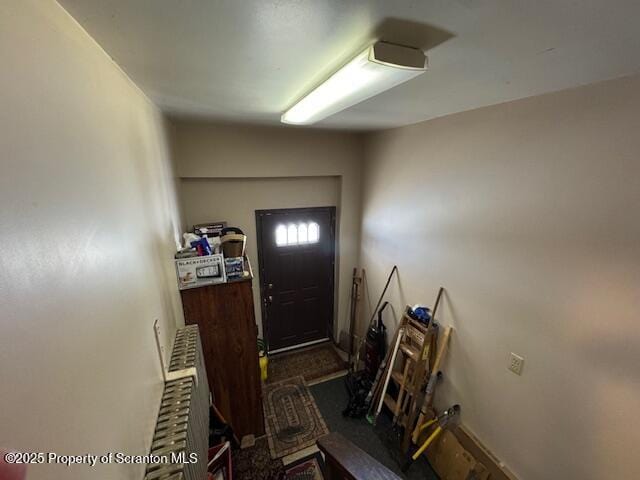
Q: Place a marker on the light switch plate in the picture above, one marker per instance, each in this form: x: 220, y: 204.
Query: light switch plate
x: 515, y: 363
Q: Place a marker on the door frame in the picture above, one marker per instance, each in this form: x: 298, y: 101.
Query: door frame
x: 260, y: 214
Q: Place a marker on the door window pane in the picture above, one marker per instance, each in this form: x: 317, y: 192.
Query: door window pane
x: 281, y: 235
x: 314, y: 232
x: 302, y: 233
x: 292, y: 235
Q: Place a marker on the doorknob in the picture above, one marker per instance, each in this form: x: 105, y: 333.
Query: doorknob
x: 268, y: 300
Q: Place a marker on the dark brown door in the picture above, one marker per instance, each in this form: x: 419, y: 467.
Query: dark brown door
x: 296, y: 253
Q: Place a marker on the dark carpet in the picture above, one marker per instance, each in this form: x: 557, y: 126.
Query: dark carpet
x: 379, y: 442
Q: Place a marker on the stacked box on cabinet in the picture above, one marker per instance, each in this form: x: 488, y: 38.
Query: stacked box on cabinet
x: 182, y: 429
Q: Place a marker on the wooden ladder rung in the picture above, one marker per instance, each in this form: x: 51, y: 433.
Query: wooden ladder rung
x: 411, y: 352
x: 390, y: 402
x: 396, y: 376
x: 424, y: 329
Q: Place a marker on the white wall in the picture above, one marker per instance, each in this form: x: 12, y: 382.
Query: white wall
x: 203, y: 150
x: 235, y: 201
x: 527, y: 212
x: 88, y: 229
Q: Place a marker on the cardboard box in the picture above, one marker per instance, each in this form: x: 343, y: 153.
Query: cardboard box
x: 200, y: 271
x: 452, y: 462
x: 473, y: 445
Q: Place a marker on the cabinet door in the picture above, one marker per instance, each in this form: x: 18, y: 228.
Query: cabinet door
x: 228, y: 330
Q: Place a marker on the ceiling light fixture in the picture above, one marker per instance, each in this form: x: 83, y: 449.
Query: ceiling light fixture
x: 378, y: 68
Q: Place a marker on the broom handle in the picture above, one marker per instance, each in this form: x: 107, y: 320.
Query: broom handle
x: 382, y: 369
x: 388, y: 376
x: 352, y: 314
x: 373, y: 315
x: 435, y: 307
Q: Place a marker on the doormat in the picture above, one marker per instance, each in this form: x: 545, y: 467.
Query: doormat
x: 312, y: 363
x: 307, y: 468
x: 292, y: 418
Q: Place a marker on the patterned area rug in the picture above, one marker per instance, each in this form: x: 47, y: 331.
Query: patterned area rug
x: 307, y: 468
x: 312, y: 363
x: 292, y: 418
x: 255, y: 463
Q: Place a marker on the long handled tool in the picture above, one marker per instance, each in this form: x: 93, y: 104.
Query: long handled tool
x: 431, y: 384
x: 376, y: 387
x: 442, y: 421
x: 372, y: 395
x: 353, y: 312
x: 375, y: 310
x: 388, y: 375
x: 227, y: 430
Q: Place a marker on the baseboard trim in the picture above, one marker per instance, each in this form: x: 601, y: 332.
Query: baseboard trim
x: 300, y: 345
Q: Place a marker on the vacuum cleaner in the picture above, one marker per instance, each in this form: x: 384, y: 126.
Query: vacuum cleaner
x: 359, y: 383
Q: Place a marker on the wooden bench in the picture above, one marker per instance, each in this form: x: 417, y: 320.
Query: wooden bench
x: 345, y: 461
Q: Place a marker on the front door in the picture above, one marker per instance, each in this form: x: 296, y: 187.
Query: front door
x: 296, y: 254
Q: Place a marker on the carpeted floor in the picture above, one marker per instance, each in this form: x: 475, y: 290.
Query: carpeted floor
x: 255, y: 463
x: 312, y: 363
x: 331, y: 398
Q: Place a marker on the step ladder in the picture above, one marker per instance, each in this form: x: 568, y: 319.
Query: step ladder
x: 415, y: 349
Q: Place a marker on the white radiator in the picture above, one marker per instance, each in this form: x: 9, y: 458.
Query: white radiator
x: 182, y: 429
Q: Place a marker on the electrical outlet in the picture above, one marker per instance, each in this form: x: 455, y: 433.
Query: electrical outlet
x: 515, y: 363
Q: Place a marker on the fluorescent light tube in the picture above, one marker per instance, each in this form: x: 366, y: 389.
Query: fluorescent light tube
x: 378, y: 68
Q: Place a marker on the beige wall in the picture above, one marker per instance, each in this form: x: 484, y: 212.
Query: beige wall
x: 235, y: 200
x: 211, y: 150
x: 87, y: 229
x: 527, y: 213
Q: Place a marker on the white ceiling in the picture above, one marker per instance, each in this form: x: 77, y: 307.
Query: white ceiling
x: 248, y: 60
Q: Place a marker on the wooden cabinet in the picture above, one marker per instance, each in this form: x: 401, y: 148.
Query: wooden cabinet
x: 228, y: 331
